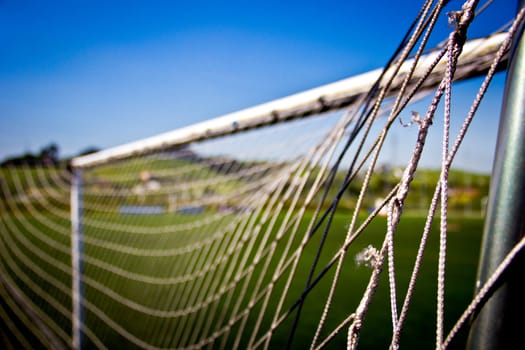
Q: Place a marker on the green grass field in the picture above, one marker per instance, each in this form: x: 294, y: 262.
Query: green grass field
x: 113, y: 275
x: 464, y: 240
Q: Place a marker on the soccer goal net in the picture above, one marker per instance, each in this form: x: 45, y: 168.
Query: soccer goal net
x: 293, y: 224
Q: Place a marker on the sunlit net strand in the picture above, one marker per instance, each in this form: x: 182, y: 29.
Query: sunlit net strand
x: 497, y: 59
x: 300, y: 181
x: 328, y: 149
x: 357, y: 320
x: 259, y: 254
x: 295, y: 256
x: 243, y: 262
x: 277, y: 320
x: 452, y: 47
x: 483, y: 88
x: 363, y: 191
x: 43, y: 192
x: 34, y: 212
x: 35, y: 231
x: 420, y: 254
x: 454, y: 50
x: 52, y: 185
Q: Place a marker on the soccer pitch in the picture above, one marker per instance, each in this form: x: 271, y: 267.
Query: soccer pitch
x: 172, y: 278
x: 462, y: 256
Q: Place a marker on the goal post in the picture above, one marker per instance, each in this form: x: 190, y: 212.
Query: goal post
x: 76, y: 259
x: 496, y: 326
x: 474, y: 61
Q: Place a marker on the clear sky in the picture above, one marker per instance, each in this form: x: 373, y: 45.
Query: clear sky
x: 101, y: 73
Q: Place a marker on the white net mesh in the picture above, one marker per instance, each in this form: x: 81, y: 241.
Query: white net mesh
x: 292, y: 236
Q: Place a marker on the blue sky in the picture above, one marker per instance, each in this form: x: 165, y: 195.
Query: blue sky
x: 101, y: 73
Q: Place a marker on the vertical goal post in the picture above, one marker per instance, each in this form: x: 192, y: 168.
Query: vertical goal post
x: 497, y: 326
x: 77, y: 243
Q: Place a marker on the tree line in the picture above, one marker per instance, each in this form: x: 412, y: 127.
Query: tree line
x: 48, y: 155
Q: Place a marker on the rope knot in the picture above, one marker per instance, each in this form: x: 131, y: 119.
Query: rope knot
x: 368, y: 257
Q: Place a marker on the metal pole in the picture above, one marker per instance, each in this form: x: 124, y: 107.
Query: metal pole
x: 475, y: 60
x: 499, y: 325
x: 77, y: 249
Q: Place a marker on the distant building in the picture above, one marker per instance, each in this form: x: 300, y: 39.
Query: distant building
x: 148, y: 185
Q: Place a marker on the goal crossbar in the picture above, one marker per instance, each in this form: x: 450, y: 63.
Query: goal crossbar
x: 474, y: 61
